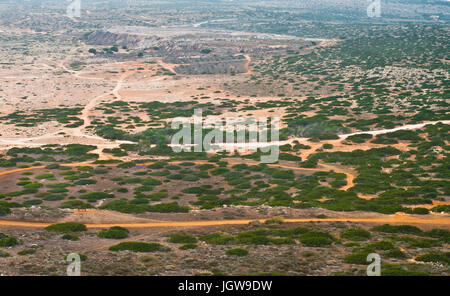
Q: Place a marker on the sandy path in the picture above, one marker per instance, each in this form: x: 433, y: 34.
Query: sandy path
x: 247, y: 64
x: 404, y: 127
x: 407, y: 219
x: 344, y: 136
x: 170, y: 67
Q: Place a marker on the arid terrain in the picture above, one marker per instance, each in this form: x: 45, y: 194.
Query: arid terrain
x: 87, y: 165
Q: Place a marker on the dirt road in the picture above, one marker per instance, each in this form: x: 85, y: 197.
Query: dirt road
x: 406, y: 219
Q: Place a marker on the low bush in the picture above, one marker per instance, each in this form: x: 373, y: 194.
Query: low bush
x: 66, y: 227
x: 406, y: 229
x: 26, y: 252
x: 115, y: 232
x: 71, y: 237
x: 399, y: 271
x: 237, y: 252
x: 421, y: 211
x: 356, y: 234
x: 357, y: 258
x: 435, y: 257
x: 217, y: 238
x: 7, y: 241
x: 140, y: 247
x: 316, y: 239
x: 188, y: 246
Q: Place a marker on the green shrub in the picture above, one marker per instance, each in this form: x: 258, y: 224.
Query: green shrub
x: 47, y: 176
x: 85, y: 182
x: 7, y: 241
x: 356, y: 234
x: 395, y: 253
x: 94, y: 196
x: 360, y: 138
x: 115, y: 232
x: 441, y: 208
x: 406, y: 229
x: 435, y: 257
x: 420, y: 211
x: 237, y: 252
x: 4, y: 211
x: 4, y: 254
x: 399, y: 271
x: 140, y: 247
x: 259, y: 237
x: 71, y: 237
x: 188, y: 246
x: 172, y: 207
x: 26, y: 252
x: 441, y: 234
x: 357, y: 258
x: 217, y: 238
x: 32, y: 202
x: 75, y: 204
x: 316, y: 239
x: 67, y: 227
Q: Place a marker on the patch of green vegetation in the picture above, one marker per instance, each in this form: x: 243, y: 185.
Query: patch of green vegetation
x: 139, y: 247
x: 71, y: 237
x: 435, y: 257
x: 217, y: 238
x: 188, y: 246
x: 7, y: 241
x: 66, y: 227
x: 237, y: 252
x: 356, y: 234
x: 26, y: 252
x: 115, y: 232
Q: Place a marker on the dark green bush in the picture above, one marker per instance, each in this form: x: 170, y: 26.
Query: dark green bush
x: 66, y: 227
x: 7, y: 241
x: 420, y: 211
x: 75, y: 204
x: 26, y: 252
x: 188, y: 246
x: 398, y: 270
x: 357, y: 258
x: 406, y: 229
x: 356, y: 234
x: 69, y: 236
x: 94, y: 196
x: 140, y: 247
x: 237, y: 252
x: 217, y: 238
x: 435, y: 257
x: 115, y: 232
